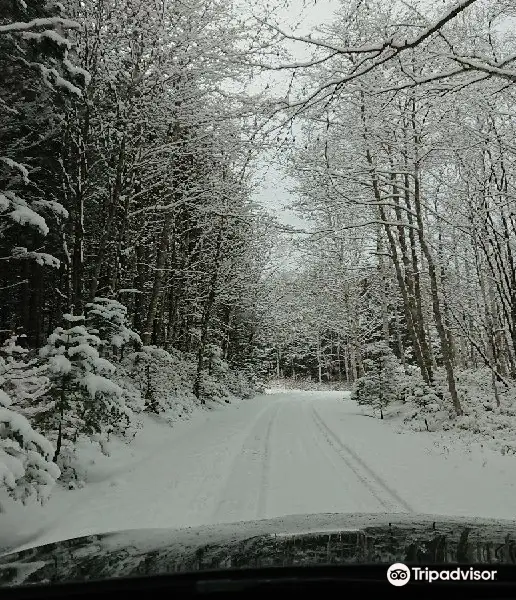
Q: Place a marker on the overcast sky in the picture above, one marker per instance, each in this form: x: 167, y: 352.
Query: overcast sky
x: 275, y: 193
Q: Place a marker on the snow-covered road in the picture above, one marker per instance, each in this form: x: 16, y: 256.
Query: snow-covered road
x: 277, y: 454
x: 293, y: 461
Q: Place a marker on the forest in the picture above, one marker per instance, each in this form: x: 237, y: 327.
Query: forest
x: 138, y: 272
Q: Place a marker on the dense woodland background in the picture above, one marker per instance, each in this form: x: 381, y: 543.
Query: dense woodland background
x: 137, y: 271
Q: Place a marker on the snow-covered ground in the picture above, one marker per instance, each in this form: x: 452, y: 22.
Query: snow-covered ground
x: 278, y: 454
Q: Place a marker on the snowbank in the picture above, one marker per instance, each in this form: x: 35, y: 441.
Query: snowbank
x: 482, y: 424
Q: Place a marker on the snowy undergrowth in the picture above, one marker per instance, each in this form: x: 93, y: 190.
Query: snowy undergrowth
x: 421, y: 408
x: 279, y: 385
x: 163, y: 379
x: 158, y: 385
x: 399, y: 393
x: 92, y: 387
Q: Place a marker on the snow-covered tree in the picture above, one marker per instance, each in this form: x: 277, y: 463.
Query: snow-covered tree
x: 26, y: 467
x: 378, y: 387
x: 164, y: 379
x: 419, y: 173
x: 107, y: 318
x: 87, y: 400
x: 36, y: 72
x: 408, y: 40
x: 23, y: 378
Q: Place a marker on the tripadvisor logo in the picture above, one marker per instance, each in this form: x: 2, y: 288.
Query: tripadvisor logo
x: 399, y: 574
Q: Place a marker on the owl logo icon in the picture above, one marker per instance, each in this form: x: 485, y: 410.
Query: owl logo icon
x: 398, y: 574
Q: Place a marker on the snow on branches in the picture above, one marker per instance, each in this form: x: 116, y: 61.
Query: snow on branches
x: 87, y: 400
x: 26, y: 467
x: 108, y: 318
x: 36, y: 70
x: 378, y: 386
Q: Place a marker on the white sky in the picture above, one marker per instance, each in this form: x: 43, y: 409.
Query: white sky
x: 275, y: 193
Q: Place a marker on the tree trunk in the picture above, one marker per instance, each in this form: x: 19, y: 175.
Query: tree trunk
x: 206, y: 317
x: 436, y: 305
x: 107, y: 229
x: 157, y: 286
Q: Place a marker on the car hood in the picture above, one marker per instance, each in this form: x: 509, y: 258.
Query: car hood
x: 298, y: 540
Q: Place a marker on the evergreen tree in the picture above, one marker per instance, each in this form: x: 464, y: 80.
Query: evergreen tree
x: 107, y: 318
x: 26, y: 467
x: 37, y: 76
x: 38, y: 82
x: 87, y: 400
x: 378, y: 386
x: 24, y: 379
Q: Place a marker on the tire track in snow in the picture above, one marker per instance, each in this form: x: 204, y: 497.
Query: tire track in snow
x: 266, y: 465
x: 244, y: 494
x: 388, y: 498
